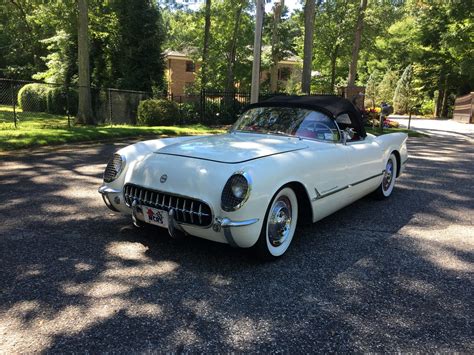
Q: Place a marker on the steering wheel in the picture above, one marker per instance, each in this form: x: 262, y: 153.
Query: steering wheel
x: 325, y: 127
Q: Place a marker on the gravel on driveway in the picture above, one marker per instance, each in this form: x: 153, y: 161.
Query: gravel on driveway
x: 377, y: 276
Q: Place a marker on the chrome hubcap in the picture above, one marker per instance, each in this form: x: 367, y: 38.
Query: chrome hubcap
x: 279, y: 221
x: 388, y: 175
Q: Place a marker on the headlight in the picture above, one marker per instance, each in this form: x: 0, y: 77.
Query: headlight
x: 114, y: 168
x: 236, y: 191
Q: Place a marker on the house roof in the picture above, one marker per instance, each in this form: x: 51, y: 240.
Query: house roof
x: 187, y: 53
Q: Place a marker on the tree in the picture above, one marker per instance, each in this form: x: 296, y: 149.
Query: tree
x: 371, y: 88
x: 387, y: 86
x: 356, y: 46
x: 276, y: 51
x: 205, y: 48
x: 137, y: 61
x: 309, y: 13
x: 402, y: 98
x: 232, y: 48
x: 84, y: 110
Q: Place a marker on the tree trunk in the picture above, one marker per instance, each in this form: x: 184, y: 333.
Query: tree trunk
x: 356, y: 45
x: 309, y: 12
x: 277, y: 9
x: 257, y: 51
x: 333, y: 66
x: 444, y: 105
x: 229, y: 87
x: 205, y: 49
x: 84, y: 111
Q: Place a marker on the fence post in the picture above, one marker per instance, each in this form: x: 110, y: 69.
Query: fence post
x: 202, y: 105
x: 68, y: 111
x: 109, y: 96
x: 13, y: 103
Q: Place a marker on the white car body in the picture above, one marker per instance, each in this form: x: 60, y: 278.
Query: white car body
x: 326, y: 176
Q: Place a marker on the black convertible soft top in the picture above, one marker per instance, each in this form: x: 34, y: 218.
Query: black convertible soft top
x: 333, y: 106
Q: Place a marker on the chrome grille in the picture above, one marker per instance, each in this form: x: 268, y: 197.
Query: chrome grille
x: 113, y: 168
x: 187, y: 210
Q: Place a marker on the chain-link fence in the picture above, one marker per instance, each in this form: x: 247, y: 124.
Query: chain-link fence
x: 22, y: 101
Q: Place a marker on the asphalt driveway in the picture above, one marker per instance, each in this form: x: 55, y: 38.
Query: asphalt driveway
x: 376, y: 276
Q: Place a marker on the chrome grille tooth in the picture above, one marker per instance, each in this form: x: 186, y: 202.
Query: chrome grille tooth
x: 145, y: 198
x: 157, y: 199
x: 191, y: 212
x: 163, y: 202
x: 177, y: 208
x: 200, y: 213
x: 184, y: 210
x: 141, y: 196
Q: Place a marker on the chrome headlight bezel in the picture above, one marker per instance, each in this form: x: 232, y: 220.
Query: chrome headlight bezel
x: 117, y: 169
x: 230, y: 202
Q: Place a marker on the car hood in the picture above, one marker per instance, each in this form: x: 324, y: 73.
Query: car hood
x: 233, y: 148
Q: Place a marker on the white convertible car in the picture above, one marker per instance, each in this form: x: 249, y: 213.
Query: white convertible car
x: 287, y: 160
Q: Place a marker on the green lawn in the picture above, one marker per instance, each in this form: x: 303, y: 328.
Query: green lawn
x: 410, y: 132
x: 39, y: 129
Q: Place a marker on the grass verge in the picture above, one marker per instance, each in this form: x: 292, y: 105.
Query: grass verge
x: 410, y: 132
x: 40, y: 129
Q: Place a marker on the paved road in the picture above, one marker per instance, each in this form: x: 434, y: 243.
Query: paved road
x: 438, y: 127
x: 376, y: 276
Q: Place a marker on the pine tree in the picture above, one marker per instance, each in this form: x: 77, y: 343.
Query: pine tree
x: 371, y: 90
x: 404, y: 91
x: 386, y: 88
x: 138, y: 62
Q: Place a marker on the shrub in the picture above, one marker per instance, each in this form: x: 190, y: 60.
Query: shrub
x: 57, y: 102
x: 32, y: 98
x: 157, y: 112
x: 189, y: 112
x: 50, y: 99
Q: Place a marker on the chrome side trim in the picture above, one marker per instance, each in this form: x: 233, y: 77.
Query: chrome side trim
x: 406, y: 161
x: 321, y: 196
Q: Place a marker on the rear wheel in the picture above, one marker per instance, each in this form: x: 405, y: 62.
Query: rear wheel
x: 388, y: 181
x: 279, y: 225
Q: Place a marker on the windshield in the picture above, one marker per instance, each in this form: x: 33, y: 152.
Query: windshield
x: 290, y: 121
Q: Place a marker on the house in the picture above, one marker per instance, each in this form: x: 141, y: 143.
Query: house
x: 181, y: 70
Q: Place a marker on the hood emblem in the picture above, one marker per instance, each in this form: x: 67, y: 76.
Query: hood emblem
x: 163, y: 178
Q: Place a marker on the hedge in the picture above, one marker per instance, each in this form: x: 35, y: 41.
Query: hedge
x: 44, y: 98
x: 157, y: 112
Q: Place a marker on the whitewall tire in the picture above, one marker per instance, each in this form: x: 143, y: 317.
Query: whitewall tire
x: 279, y: 225
x: 385, y: 188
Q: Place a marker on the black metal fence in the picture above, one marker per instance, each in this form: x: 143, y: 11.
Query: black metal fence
x: 19, y: 99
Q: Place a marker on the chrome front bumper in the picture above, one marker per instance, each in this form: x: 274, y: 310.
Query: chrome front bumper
x: 174, y: 228
x: 105, y: 191
x: 226, y: 224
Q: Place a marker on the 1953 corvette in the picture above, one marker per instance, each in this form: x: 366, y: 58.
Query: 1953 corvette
x: 287, y: 160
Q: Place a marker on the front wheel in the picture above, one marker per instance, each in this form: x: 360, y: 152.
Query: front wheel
x: 279, y: 225
x: 388, y: 181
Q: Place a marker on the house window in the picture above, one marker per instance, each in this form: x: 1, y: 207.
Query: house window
x: 190, y: 66
x: 284, y: 73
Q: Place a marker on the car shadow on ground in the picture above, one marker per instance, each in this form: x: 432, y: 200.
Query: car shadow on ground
x: 375, y: 276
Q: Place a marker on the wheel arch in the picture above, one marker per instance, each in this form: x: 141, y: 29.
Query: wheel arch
x: 399, y: 162
x: 305, y: 211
